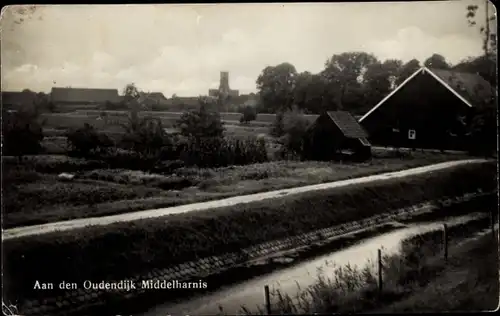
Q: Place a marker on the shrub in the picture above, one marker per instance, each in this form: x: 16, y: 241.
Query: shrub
x: 87, y: 141
x: 201, y: 123
x: 278, y: 126
x: 22, y: 133
x: 146, y: 136
x: 249, y: 113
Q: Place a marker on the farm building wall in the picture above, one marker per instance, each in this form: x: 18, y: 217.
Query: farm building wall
x: 425, y: 106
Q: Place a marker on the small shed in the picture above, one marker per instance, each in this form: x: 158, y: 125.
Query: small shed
x: 336, y: 135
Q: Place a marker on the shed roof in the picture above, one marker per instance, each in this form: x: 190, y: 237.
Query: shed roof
x: 347, y: 124
x: 84, y: 95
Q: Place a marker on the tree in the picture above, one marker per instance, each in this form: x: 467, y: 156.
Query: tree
x: 201, y: 123
x: 379, y: 80
x: 276, y: 87
x: 309, y: 92
x: 407, y: 70
x: 482, y: 65
x: 291, y: 127
x: 344, y: 73
x: 22, y: 133
x: 249, y: 113
x: 148, y: 137
x: 489, y: 37
x: 436, y: 61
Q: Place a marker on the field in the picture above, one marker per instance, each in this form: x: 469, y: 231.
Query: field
x: 99, y: 252
x: 36, y: 195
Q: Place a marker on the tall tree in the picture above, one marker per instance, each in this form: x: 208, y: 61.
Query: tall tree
x: 309, y: 92
x: 437, y: 61
x: 276, y: 86
x: 407, y: 70
x: 379, y: 80
x: 489, y: 36
x: 344, y: 72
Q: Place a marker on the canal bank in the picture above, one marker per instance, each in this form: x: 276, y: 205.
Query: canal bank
x: 322, y: 242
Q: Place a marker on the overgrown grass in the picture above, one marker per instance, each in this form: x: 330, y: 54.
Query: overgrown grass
x: 120, y: 250
x: 412, y: 279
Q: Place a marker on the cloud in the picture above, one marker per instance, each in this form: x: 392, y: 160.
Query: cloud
x: 412, y: 42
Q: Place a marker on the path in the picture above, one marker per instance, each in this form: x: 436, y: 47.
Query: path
x: 132, y: 216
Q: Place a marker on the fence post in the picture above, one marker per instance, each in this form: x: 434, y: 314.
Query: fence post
x: 445, y: 242
x: 268, y: 300
x: 379, y: 261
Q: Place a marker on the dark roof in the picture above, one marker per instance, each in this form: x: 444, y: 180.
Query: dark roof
x: 347, y: 124
x: 472, y: 87
x: 84, y: 95
x: 18, y: 98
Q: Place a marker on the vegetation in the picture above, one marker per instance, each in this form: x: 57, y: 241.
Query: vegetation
x: 98, y: 253
x: 86, y: 141
x: 412, y: 280
x: 201, y: 123
x: 249, y: 114
x: 22, y: 133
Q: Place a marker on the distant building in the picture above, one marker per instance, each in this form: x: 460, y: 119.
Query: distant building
x: 83, y: 96
x: 224, y: 89
x: 336, y: 135
x: 433, y: 108
x: 152, y: 99
x: 18, y: 99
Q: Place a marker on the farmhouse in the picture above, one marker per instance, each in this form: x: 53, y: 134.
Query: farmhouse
x: 336, y: 134
x: 431, y: 109
x: 83, y: 96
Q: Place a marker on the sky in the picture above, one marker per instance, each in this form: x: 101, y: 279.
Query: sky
x: 181, y: 49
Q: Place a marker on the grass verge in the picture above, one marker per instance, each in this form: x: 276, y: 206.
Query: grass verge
x: 120, y: 250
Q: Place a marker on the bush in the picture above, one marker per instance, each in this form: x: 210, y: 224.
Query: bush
x: 22, y: 133
x: 87, y: 141
x: 146, y: 136
x: 201, y: 123
x: 248, y: 114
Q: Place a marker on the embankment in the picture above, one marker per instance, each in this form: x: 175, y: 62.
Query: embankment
x: 149, y: 247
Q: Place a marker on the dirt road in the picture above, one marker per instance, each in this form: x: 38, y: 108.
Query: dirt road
x: 132, y: 216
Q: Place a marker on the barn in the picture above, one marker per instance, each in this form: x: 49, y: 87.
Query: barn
x: 336, y: 135
x: 433, y: 108
x: 83, y: 96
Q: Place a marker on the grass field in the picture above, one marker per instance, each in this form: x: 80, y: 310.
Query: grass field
x: 35, y: 195
x: 57, y: 123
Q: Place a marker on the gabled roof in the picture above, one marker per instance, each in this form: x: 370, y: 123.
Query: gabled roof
x: 347, y: 124
x: 469, y: 88
x: 84, y: 95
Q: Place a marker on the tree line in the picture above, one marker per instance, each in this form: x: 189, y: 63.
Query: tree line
x: 352, y: 81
